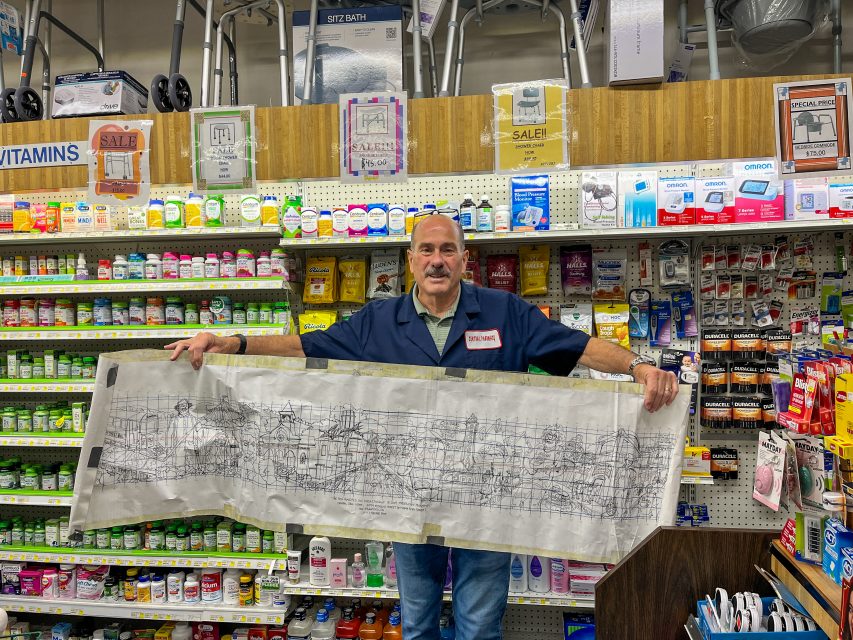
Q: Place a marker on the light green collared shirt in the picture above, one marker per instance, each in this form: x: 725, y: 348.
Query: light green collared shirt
x: 439, y: 328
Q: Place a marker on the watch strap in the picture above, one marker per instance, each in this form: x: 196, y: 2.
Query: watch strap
x: 241, y: 350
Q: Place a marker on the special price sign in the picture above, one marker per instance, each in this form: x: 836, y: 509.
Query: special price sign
x: 813, y: 127
x: 373, y: 132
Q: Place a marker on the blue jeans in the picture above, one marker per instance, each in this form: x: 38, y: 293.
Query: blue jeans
x: 480, y: 587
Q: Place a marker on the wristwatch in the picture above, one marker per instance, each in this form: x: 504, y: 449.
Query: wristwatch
x: 241, y: 350
x: 640, y: 360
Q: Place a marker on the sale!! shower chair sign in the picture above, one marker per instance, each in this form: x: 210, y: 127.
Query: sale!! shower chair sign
x: 813, y: 128
x: 373, y: 133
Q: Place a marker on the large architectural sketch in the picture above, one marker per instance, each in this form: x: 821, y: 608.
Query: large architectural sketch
x: 357, y: 450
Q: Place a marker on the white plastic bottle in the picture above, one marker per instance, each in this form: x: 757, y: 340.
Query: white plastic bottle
x: 319, y: 554
x: 502, y: 218
x: 518, y: 573
x: 182, y: 631
x: 324, y: 628
x: 539, y: 574
x: 299, y: 628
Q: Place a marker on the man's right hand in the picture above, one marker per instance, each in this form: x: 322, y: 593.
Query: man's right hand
x: 201, y: 343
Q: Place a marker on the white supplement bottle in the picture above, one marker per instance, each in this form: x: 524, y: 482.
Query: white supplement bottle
x: 231, y: 587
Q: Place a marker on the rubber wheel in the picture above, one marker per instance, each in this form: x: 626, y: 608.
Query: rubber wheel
x: 160, y: 94
x: 7, y: 106
x: 28, y: 104
x: 180, y: 94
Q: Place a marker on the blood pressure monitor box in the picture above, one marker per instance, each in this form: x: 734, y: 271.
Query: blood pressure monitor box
x: 676, y: 201
x: 598, y: 200
x: 638, y: 199
x: 759, y: 194
x: 715, y: 200
x: 840, y: 199
x: 807, y: 199
x: 358, y: 51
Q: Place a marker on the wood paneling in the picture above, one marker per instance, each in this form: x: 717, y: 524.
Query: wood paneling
x: 650, y: 123
x: 651, y: 593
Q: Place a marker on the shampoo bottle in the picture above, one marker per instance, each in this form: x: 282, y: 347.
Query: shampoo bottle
x: 518, y: 573
x: 320, y: 555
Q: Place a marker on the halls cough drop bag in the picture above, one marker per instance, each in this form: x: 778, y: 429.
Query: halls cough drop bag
x: 535, y: 263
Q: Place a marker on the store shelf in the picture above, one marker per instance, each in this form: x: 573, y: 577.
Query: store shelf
x: 542, y: 599
x: 811, y: 586
x: 141, y: 558
x: 147, y: 235
x: 133, y: 333
x: 138, y: 611
x: 40, y: 440
x: 696, y: 480
x: 47, y: 386
x: 37, y: 498
x: 137, y: 286
x: 575, y: 234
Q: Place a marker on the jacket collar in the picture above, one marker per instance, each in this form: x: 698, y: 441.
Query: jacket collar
x: 415, y: 328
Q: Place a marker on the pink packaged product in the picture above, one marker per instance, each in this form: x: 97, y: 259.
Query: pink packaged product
x: 576, y: 269
x: 31, y: 582
x: 759, y: 194
x: 90, y: 581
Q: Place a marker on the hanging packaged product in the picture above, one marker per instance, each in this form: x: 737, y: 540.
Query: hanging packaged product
x: 660, y: 324
x: 685, y: 366
x: 805, y: 322
x: 598, y: 200
x: 609, y: 271
x: 745, y: 377
x: 529, y: 198
x: 715, y: 200
x: 611, y: 323
x: 471, y: 274
x: 802, y: 286
x: 250, y: 210
x: 644, y: 251
x: 577, y: 315
x: 385, y: 271
x: 291, y: 220
x: 639, y: 301
x: 535, y: 264
x: 747, y: 345
x: 353, y: 270
x: 316, y: 320
x: 716, y: 345
x: 173, y: 212
x: 320, y: 279
x: 746, y: 412
x: 638, y: 198
x: 769, y: 469
x: 715, y: 378
x: 576, y: 269
x: 684, y: 315
x: 502, y: 272
x: 830, y: 292
x: 674, y: 264
x: 676, y: 201
x: 724, y: 463
x: 214, y: 211
x: 777, y: 342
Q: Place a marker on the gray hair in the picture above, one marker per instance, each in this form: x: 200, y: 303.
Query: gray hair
x: 460, y: 235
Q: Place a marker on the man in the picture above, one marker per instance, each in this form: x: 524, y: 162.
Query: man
x: 449, y: 324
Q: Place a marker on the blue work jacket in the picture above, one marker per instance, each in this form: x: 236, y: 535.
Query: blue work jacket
x: 491, y: 329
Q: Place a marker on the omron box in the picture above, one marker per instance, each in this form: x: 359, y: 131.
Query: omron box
x: 676, y: 201
x: 759, y: 194
x: 715, y: 200
x: 807, y: 199
x: 358, y: 50
x: 635, y: 41
x: 98, y: 93
x: 840, y: 199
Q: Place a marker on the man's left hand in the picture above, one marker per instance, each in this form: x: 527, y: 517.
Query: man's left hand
x: 661, y: 386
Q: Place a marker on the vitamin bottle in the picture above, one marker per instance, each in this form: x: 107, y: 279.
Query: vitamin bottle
x: 214, y: 211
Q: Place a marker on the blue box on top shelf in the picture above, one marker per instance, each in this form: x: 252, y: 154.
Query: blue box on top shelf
x: 529, y: 199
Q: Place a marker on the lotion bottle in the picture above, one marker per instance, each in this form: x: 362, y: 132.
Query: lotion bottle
x: 518, y: 573
x: 539, y: 574
x: 320, y: 555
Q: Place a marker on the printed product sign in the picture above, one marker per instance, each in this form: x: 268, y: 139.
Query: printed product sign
x: 119, y: 170
x: 373, y: 133
x: 223, y: 143
x: 530, y: 127
x: 813, y: 127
